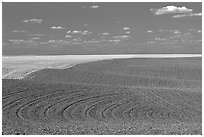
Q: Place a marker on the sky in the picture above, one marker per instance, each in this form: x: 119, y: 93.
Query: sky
x: 101, y: 28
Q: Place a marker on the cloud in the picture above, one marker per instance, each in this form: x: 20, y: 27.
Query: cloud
x: 187, y: 15
x: 179, y: 38
x: 86, y: 32
x: 121, y: 37
x: 126, y: 28
x: 36, y: 38
x: 76, y: 32
x: 169, y: 43
x: 60, y: 42
x: 76, y: 43
x: 16, y: 40
x: 58, y: 27
x: 177, y: 32
x: 194, y: 30
x: 33, y: 21
x: 91, y: 41
x: 4, y: 44
x: 94, y: 7
x: 174, y: 31
x: 103, y: 40
x: 114, y: 40
x: 77, y: 39
x: 105, y: 33
x: 196, y: 41
x: 199, y: 31
x: 51, y: 41
x: 127, y: 32
x: 171, y: 9
x: 151, y: 42
x: 21, y: 31
x: 149, y: 31
x: 38, y: 35
x: 42, y: 43
x: 187, y: 33
x: 25, y: 43
x: 159, y: 39
x: 68, y: 36
x: 69, y: 31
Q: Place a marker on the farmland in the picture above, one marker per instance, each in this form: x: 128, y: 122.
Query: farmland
x: 119, y: 96
x: 17, y: 67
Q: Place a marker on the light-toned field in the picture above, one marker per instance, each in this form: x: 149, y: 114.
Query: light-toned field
x: 19, y: 66
x: 119, y: 96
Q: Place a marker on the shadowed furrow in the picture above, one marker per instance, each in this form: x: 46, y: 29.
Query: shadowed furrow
x: 108, y: 92
x: 99, y: 104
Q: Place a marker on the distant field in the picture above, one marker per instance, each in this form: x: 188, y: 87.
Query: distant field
x: 19, y: 66
x: 119, y: 96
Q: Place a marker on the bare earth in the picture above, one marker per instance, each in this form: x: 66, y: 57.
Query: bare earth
x: 144, y: 95
x: 19, y: 66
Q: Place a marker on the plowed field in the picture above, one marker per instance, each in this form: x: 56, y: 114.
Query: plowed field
x: 120, y: 96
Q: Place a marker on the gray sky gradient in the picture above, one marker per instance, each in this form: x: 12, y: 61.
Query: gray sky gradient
x: 101, y: 28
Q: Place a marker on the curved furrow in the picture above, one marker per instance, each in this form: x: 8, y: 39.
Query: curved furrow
x: 53, y: 110
x: 107, y: 111
x: 162, y: 114
x: 38, y: 111
x: 119, y: 111
x: 96, y: 111
x: 12, y: 102
x: 32, y: 96
x: 123, y: 107
x: 152, y: 113
x: 82, y: 110
x: 187, y: 100
x: 32, y: 111
x: 148, y: 114
x: 128, y: 111
x: 10, y: 95
x: 93, y: 111
x: 177, y: 103
x: 66, y: 112
x: 174, y: 98
x: 133, y: 100
x: 165, y: 103
x: 15, y: 104
x: 21, y: 111
x: 141, y: 112
x: 173, y: 111
x: 146, y: 111
x: 34, y: 114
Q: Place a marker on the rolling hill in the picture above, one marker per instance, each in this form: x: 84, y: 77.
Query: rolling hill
x: 119, y: 96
